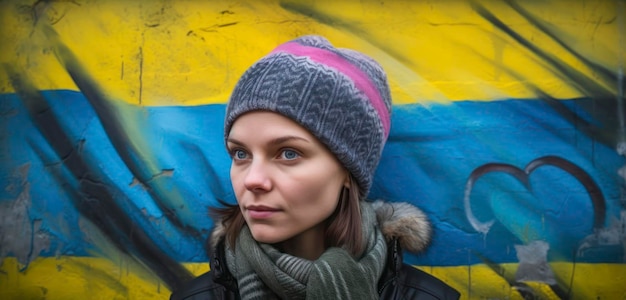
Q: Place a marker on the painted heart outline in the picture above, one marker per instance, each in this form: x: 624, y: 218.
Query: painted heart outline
x: 594, y: 192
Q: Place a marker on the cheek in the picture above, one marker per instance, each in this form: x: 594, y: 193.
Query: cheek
x: 236, y: 180
x: 320, y: 194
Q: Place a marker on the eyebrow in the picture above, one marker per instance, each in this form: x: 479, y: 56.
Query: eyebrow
x: 276, y: 141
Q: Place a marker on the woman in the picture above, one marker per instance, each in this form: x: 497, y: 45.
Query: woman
x: 305, y: 127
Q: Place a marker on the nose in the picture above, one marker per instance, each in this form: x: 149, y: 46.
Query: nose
x: 257, y: 179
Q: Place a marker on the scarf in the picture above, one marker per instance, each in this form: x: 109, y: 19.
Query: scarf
x: 263, y: 272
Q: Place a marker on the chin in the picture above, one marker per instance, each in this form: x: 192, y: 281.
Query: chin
x: 265, y: 238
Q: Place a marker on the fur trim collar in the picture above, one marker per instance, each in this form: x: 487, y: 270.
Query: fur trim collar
x: 398, y: 220
x: 405, y: 222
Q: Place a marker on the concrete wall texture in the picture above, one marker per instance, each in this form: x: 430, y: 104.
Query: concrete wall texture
x: 508, y: 130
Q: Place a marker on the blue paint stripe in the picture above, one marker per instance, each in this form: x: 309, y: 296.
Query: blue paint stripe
x: 430, y: 154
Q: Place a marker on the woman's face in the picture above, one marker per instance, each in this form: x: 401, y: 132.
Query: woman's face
x: 287, y: 183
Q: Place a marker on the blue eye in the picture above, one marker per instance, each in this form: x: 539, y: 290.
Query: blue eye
x: 239, y: 154
x: 290, y: 154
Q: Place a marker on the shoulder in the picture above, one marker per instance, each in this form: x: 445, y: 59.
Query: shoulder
x: 201, y: 287
x: 401, y: 281
x: 218, y: 283
x: 417, y: 284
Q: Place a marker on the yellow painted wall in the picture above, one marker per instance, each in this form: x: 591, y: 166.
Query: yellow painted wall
x: 192, y: 52
x: 99, y: 278
x: 157, y: 53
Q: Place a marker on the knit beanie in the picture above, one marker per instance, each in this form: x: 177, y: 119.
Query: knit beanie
x: 339, y: 95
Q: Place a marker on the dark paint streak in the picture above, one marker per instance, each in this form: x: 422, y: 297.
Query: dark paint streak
x: 105, y: 111
x: 42, y: 7
x: 522, y: 288
x: 193, y: 150
x: 94, y: 199
x: 592, y: 88
x: 213, y: 28
x: 79, y: 198
x: 227, y: 24
x: 606, y: 74
x: 303, y: 9
x: 601, y: 134
x: 603, y: 107
x: 100, y: 276
x: 526, y: 291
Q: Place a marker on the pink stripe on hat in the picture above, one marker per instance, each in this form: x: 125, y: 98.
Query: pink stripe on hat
x: 335, y: 61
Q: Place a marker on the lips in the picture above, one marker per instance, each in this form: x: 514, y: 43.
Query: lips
x: 261, y: 212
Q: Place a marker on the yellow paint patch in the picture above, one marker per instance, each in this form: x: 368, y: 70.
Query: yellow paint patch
x: 192, y: 52
x: 482, y: 282
x: 70, y: 277
x: 98, y: 278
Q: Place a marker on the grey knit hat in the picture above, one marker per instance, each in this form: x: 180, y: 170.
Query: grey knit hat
x: 341, y: 96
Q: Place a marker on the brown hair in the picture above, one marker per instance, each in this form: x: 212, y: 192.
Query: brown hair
x: 343, y: 227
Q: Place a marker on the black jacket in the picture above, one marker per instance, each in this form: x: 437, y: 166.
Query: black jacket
x: 398, y: 281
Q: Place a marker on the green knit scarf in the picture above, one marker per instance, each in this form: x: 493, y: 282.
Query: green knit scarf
x: 263, y: 272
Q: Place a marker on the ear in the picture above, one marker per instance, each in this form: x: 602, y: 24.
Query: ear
x: 346, y: 181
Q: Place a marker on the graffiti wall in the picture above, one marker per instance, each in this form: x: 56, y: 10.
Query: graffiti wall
x: 508, y: 130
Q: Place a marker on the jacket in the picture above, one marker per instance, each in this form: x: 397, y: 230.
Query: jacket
x: 403, y: 225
